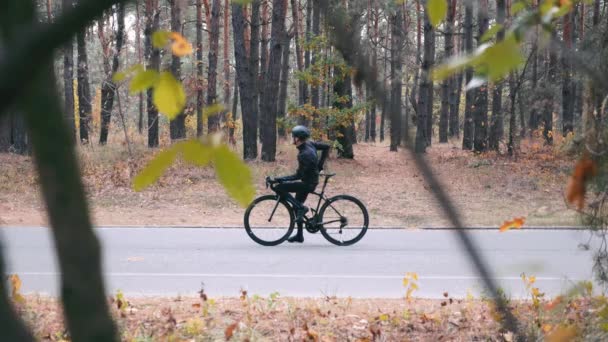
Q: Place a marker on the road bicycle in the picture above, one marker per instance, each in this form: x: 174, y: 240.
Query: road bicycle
x: 341, y: 219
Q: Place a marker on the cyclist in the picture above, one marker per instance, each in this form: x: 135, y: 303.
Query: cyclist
x: 306, y: 178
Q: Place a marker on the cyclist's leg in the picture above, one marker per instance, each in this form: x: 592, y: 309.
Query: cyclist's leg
x: 285, y: 189
x: 301, y: 198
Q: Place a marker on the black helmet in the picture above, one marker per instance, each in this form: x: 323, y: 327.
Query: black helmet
x: 300, y: 132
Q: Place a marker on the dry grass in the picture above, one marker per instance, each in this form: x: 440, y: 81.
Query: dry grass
x: 487, y: 188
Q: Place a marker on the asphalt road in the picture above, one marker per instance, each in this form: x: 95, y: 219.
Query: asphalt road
x: 172, y: 261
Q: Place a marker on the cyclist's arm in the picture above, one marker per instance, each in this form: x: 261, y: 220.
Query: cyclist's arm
x: 303, y: 163
x: 324, y: 148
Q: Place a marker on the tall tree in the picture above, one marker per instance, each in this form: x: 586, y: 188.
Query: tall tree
x: 283, y: 83
x: 386, y: 105
x: 297, y: 19
x: 496, y: 121
x: 446, y: 85
x: 567, y: 86
x: 264, y: 38
x: 177, y: 126
x: 469, y: 127
x: 269, y: 138
x: 316, y: 31
x: 68, y: 77
x: 343, y: 87
x: 396, y: 62
x: 480, y: 114
x: 140, y: 96
x: 108, y: 88
x: 456, y: 85
x: 226, y: 55
x: 425, y: 98
x: 548, y: 104
x: 213, y: 121
x: 199, y: 68
x: 153, y: 63
x: 84, y: 91
x: 245, y: 77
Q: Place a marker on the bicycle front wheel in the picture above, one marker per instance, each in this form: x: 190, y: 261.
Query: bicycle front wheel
x: 269, y: 221
x: 344, y: 220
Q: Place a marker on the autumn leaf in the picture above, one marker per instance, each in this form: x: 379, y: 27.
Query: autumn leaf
x: 160, y: 39
x: 16, y: 289
x: 155, y: 168
x: 230, y: 330
x: 234, y: 175
x: 169, y: 96
x: 516, y: 223
x: 562, y: 334
x: 436, y: 10
x: 180, y: 47
x: 143, y: 80
x: 584, y: 170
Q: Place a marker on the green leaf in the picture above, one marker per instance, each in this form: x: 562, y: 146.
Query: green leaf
x: 212, y: 110
x: 169, y: 96
x: 234, y: 175
x: 155, y: 168
x: 119, y: 76
x: 160, y: 39
x: 194, y: 152
x: 501, y: 58
x: 518, y: 7
x: 490, y: 33
x: 437, y: 10
x: 452, y: 66
x: 241, y: 2
x: 142, y: 81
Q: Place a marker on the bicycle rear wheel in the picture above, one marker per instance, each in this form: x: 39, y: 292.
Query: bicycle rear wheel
x: 344, y: 220
x: 268, y: 220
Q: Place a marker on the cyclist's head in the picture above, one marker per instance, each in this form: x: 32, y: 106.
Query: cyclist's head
x: 300, y: 134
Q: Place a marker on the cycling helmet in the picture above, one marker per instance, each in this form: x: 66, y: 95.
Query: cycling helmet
x: 300, y: 132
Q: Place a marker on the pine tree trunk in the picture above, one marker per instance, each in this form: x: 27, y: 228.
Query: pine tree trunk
x: 567, y: 86
x: 480, y: 114
x: 84, y: 92
x: 235, y: 103
x: 396, y: 47
x: 226, y: 61
x: 153, y: 60
x: 307, y: 38
x: 177, y: 126
x: 430, y: 36
x: 283, y: 84
x: 109, y: 88
x: 213, y: 121
x: 68, y: 79
x: 385, y: 106
x: 245, y: 78
x: 342, y: 87
x: 199, y: 68
x: 5, y: 133
x: 446, y: 86
x: 548, y: 105
x: 425, y: 96
x: 316, y: 31
x: 263, y: 72
x: 140, y: 107
x: 469, y: 127
x: 496, y: 122
x: 269, y: 138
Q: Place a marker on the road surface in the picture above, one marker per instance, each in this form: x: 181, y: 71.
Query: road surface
x: 175, y: 261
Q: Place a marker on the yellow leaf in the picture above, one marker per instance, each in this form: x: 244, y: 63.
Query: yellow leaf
x: 119, y: 76
x: 16, y: 288
x: 142, y: 81
x: 384, y: 317
x: 547, y: 328
x: 169, y: 96
x: 212, y: 110
x: 436, y: 10
x: 518, y: 7
x: 180, y: 47
x: 155, y: 168
x: 501, y: 58
x: 234, y: 175
x: 160, y: 39
x: 490, y: 33
x: 195, y: 152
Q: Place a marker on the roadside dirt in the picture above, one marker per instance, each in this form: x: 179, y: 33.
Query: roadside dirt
x: 487, y: 189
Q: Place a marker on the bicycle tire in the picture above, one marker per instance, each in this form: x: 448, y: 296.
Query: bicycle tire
x: 329, y: 204
x: 250, y: 230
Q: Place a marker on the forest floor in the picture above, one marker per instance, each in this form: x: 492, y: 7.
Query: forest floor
x: 487, y: 188
x: 274, y: 318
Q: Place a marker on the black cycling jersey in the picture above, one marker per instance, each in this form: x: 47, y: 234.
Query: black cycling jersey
x: 309, y: 164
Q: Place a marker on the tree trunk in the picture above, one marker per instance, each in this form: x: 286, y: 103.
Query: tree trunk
x: 79, y: 257
x: 469, y: 128
x: 548, y: 106
x: 342, y: 87
x: 153, y: 58
x: 567, y: 90
x: 68, y: 78
x: 226, y: 61
x: 396, y: 46
x: 235, y: 103
x: 264, y: 22
x: 385, y: 106
x: 446, y: 86
x: 213, y: 121
x: 480, y: 114
x: 246, y: 77
x: 84, y: 92
x: 109, y: 88
x: 283, y: 85
x: 512, y: 96
x: 307, y: 38
x: 199, y: 68
x: 177, y: 126
x: 425, y: 96
x: 375, y: 32
x: 316, y: 31
x: 140, y: 96
x: 295, y: 9
x: 496, y: 122
x: 269, y: 138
